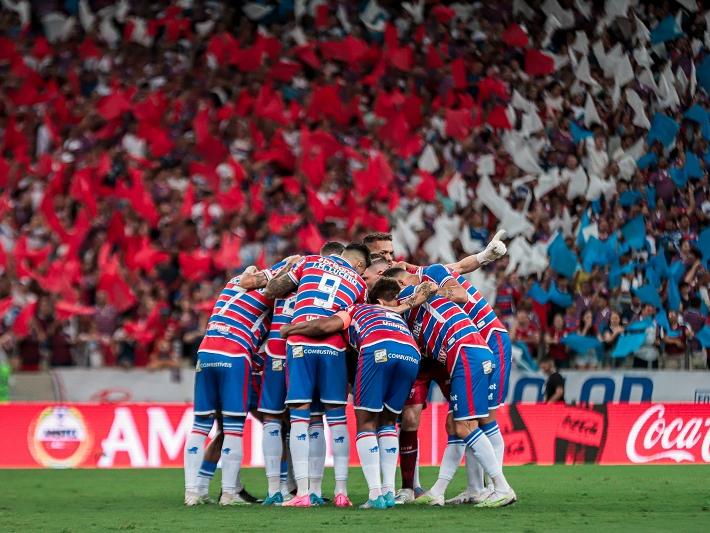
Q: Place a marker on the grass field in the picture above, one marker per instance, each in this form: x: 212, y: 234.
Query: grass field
x: 559, y: 498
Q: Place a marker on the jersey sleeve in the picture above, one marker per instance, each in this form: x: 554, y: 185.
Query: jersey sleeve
x: 405, y: 293
x: 346, y: 316
x: 437, y: 273
x: 269, y: 273
x: 296, y: 271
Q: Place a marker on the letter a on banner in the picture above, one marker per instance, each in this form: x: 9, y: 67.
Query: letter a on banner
x: 123, y: 437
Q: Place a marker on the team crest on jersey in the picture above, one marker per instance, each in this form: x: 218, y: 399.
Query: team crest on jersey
x: 481, y: 323
x: 487, y: 367
x: 277, y: 365
x: 380, y: 356
x: 297, y: 351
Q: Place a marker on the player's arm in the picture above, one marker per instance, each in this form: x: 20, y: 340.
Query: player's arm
x: 283, y: 283
x: 557, y: 395
x: 453, y: 290
x: 321, y: 327
x: 252, y: 278
x: 495, y: 250
x: 421, y: 295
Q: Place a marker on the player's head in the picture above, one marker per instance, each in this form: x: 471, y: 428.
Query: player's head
x: 547, y: 365
x: 358, y: 256
x: 378, y: 265
x: 332, y: 248
x: 401, y: 276
x: 384, y: 292
x: 380, y: 243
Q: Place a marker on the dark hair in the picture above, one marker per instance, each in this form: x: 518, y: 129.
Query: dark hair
x: 546, y: 359
x: 377, y: 259
x: 332, y: 248
x: 384, y: 289
x: 361, y: 249
x: 377, y: 236
x: 393, y: 272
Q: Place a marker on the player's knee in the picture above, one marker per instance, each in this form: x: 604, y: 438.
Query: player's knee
x: 410, y: 417
x: 463, y: 428
x: 450, y: 429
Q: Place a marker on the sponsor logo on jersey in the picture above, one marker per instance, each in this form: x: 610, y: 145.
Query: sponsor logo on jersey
x: 380, y: 356
x: 198, y: 366
x: 60, y: 438
x: 297, y: 351
x: 277, y: 365
x: 487, y: 367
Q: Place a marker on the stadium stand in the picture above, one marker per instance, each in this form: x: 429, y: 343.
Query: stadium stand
x: 150, y: 150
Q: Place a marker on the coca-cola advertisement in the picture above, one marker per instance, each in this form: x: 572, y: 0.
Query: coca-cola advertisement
x: 130, y: 435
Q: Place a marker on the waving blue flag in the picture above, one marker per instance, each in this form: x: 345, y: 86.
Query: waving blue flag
x: 578, y: 133
x: 628, y: 343
x: 703, y: 336
x: 634, y: 232
x: 538, y: 294
x: 692, y: 167
x: 580, y: 343
x: 697, y: 113
x: 583, y: 223
x: 660, y: 265
x: 679, y: 176
x: 647, y: 160
x: 662, y: 320
x: 663, y: 129
x: 666, y: 30
x: 618, y: 271
x: 557, y: 297
x: 562, y: 259
x: 703, y: 244
x: 629, y: 198
x: 639, y: 325
x: 649, y: 295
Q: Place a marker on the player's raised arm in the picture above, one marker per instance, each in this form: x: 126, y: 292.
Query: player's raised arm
x: 495, y: 250
x: 252, y: 278
x: 320, y: 327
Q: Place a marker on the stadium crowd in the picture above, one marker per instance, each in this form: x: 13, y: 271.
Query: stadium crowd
x: 150, y: 150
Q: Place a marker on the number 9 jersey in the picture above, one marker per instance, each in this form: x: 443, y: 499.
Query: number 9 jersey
x: 325, y: 286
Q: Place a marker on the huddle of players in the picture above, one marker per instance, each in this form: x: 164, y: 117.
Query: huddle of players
x: 307, y: 310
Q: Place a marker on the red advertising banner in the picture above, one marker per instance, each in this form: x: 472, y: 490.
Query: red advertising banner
x: 37, y: 435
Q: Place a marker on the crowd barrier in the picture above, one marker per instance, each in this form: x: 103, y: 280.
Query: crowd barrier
x: 125, y: 435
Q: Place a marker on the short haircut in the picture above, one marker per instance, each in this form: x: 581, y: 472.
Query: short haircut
x: 332, y: 248
x: 377, y: 259
x: 361, y: 249
x: 394, y: 272
x: 546, y: 359
x: 385, y: 289
x: 377, y: 236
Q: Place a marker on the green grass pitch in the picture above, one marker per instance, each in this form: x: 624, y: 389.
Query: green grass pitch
x: 558, y: 498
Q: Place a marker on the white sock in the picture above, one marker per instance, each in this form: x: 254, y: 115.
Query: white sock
x: 388, y: 441
x: 272, y: 447
x: 193, y: 456
x: 494, y: 435
x: 417, y: 484
x: 298, y: 444
x: 483, y: 450
x: 341, y: 447
x: 474, y: 472
x: 453, y: 453
x: 232, y: 454
x: 316, y: 457
x: 368, y: 450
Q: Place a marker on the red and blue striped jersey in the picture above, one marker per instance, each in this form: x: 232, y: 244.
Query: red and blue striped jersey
x: 370, y: 324
x: 477, y: 307
x: 283, y: 313
x: 325, y: 286
x: 479, y: 310
x: 441, y: 328
x: 240, y: 320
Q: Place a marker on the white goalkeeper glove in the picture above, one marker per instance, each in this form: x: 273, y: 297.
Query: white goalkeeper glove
x: 495, y: 249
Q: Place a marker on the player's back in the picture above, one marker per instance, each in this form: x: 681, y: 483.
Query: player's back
x: 479, y: 310
x: 282, y: 316
x: 372, y: 324
x: 240, y: 320
x: 325, y: 285
x: 441, y: 328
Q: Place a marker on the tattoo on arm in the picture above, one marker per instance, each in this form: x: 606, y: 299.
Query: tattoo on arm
x: 278, y: 286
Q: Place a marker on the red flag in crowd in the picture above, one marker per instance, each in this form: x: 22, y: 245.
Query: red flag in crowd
x: 515, y: 36
x: 64, y: 309
x: 310, y: 239
x: 538, y: 63
x: 195, y: 265
x: 227, y: 257
x: 21, y: 326
x: 498, y: 118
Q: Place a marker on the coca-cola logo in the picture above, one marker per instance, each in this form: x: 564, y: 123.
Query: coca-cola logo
x: 654, y: 438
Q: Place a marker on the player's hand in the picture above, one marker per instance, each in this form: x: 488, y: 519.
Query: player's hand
x: 251, y: 269
x: 292, y: 259
x: 427, y: 288
x: 285, y: 331
x: 495, y: 249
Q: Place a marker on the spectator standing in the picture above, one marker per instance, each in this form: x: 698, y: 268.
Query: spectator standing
x: 555, y: 383
x: 675, y: 342
x: 647, y: 355
x: 553, y: 337
x: 609, y: 335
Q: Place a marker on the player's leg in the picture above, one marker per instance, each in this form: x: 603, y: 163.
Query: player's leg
x: 408, y: 441
x: 272, y: 408
x: 368, y: 403
x: 332, y: 382
x: 469, y: 399
x: 205, y: 406
x: 450, y: 462
x: 316, y: 451
x: 211, y: 458
x: 399, y: 379
x: 300, y: 374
